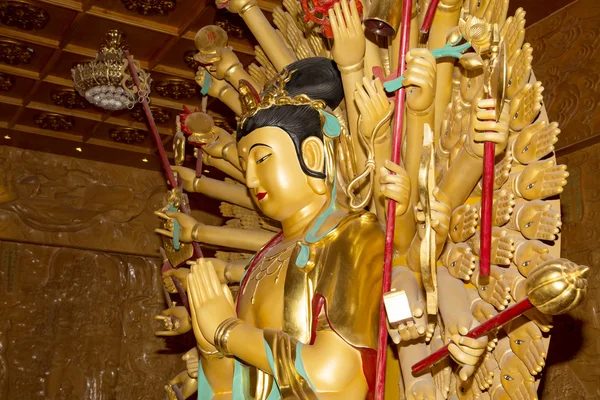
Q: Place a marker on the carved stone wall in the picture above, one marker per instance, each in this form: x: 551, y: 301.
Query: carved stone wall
x: 78, y: 325
x: 65, y: 201
x: 566, y: 59
x: 78, y: 281
x: 573, y: 370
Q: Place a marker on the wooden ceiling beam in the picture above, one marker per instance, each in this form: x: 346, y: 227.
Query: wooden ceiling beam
x: 22, y: 36
x: 70, y: 4
x: 158, y: 55
x: 131, y: 20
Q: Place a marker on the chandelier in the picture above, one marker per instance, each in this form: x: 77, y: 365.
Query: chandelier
x: 106, y: 81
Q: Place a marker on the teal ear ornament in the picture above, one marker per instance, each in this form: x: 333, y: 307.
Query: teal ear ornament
x: 332, y: 127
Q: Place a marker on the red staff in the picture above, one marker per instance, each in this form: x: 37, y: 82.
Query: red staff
x: 554, y: 287
x: 391, y: 211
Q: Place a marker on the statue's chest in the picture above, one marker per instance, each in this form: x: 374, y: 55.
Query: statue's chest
x: 261, y: 301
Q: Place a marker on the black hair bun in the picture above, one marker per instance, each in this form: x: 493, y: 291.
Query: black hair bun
x: 318, y: 78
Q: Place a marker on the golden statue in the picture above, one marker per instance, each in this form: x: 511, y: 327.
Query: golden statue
x: 310, y: 189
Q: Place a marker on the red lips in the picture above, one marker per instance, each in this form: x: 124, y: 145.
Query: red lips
x: 261, y: 195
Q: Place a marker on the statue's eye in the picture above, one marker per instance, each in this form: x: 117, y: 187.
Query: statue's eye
x: 478, y: 4
x: 531, y: 185
x: 525, y: 264
x: 519, y: 341
x: 508, y: 377
x: 509, y: 83
x: 516, y: 115
x: 526, y: 148
x: 527, y: 225
x: 263, y: 159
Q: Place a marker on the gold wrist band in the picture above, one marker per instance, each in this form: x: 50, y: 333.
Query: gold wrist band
x: 352, y: 68
x: 222, y: 334
x: 247, y: 7
x: 195, y: 233
x: 210, y: 355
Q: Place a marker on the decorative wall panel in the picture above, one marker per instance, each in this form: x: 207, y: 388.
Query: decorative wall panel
x: 574, y: 356
x: 78, y: 325
x: 64, y: 201
x: 566, y: 59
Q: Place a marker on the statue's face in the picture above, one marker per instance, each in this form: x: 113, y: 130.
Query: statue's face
x: 274, y: 177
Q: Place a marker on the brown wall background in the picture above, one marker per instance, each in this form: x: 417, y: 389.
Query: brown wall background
x: 76, y: 309
x: 566, y: 59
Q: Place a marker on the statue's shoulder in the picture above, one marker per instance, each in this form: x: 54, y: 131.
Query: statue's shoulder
x: 352, y: 226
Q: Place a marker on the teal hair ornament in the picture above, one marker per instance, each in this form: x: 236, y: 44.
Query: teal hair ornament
x: 332, y: 127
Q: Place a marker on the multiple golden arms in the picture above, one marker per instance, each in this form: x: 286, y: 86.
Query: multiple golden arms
x: 348, y: 52
x: 263, y: 32
x: 214, y: 188
x: 192, y: 230
x: 220, y: 89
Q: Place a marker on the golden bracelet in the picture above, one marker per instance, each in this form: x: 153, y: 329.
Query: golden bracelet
x: 210, y: 355
x: 352, y: 68
x: 222, y: 334
x: 195, y: 234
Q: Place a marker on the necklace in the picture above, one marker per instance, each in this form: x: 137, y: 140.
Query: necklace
x: 269, y: 265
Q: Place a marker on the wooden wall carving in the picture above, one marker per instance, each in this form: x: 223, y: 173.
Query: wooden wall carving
x: 566, y: 59
x: 78, y: 325
x: 64, y: 201
x: 573, y: 370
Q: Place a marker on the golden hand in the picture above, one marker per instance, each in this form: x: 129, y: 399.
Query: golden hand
x: 496, y: 390
x: 191, y: 362
x: 516, y: 379
x: 484, y: 128
x: 176, y: 321
x: 217, y: 86
x: 467, y: 352
x: 257, y: 73
x: 422, y: 389
x: 484, y: 375
x: 215, y: 148
x: 419, y: 80
x: 440, y: 215
x: 535, y: 141
x: 518, y: 70
x: 540, y: 179
x: 453, y: 127
x: 495, y: 12
x: 395, y: 187
x: 477, y: 8
x: 463, y: 223
x: 470, y: 87
x: 211, y: 302
x: 186, y: 223
x: 513, y: 31
x: 526, y: 342
x: 187, y: 176
x: 459, y: 259
x: 481, y: 310
x: 441, y: 371
x: 502, y: 207
x: 373, y: 105
x: 219, y: 266
x: 179, y: 273
x: 263, y: 60
x: 536, y: 220
x: 501, y: 171
x: 404, y: 279
x: 502, y: 246
x: 292, y: 7
x: 530, y: 254
x: 227, y: 59
x: 494, y: 288
x: 348, y: 35
x: 526, y: 106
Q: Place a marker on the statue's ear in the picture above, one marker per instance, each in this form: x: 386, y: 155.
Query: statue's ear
x: 313, y: 154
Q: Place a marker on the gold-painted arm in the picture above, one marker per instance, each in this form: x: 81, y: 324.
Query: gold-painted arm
x: 221, y: 190
x: 234, y: 238
x: 263, y: 32
x: 225, y: 166
x: 221, y: 90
